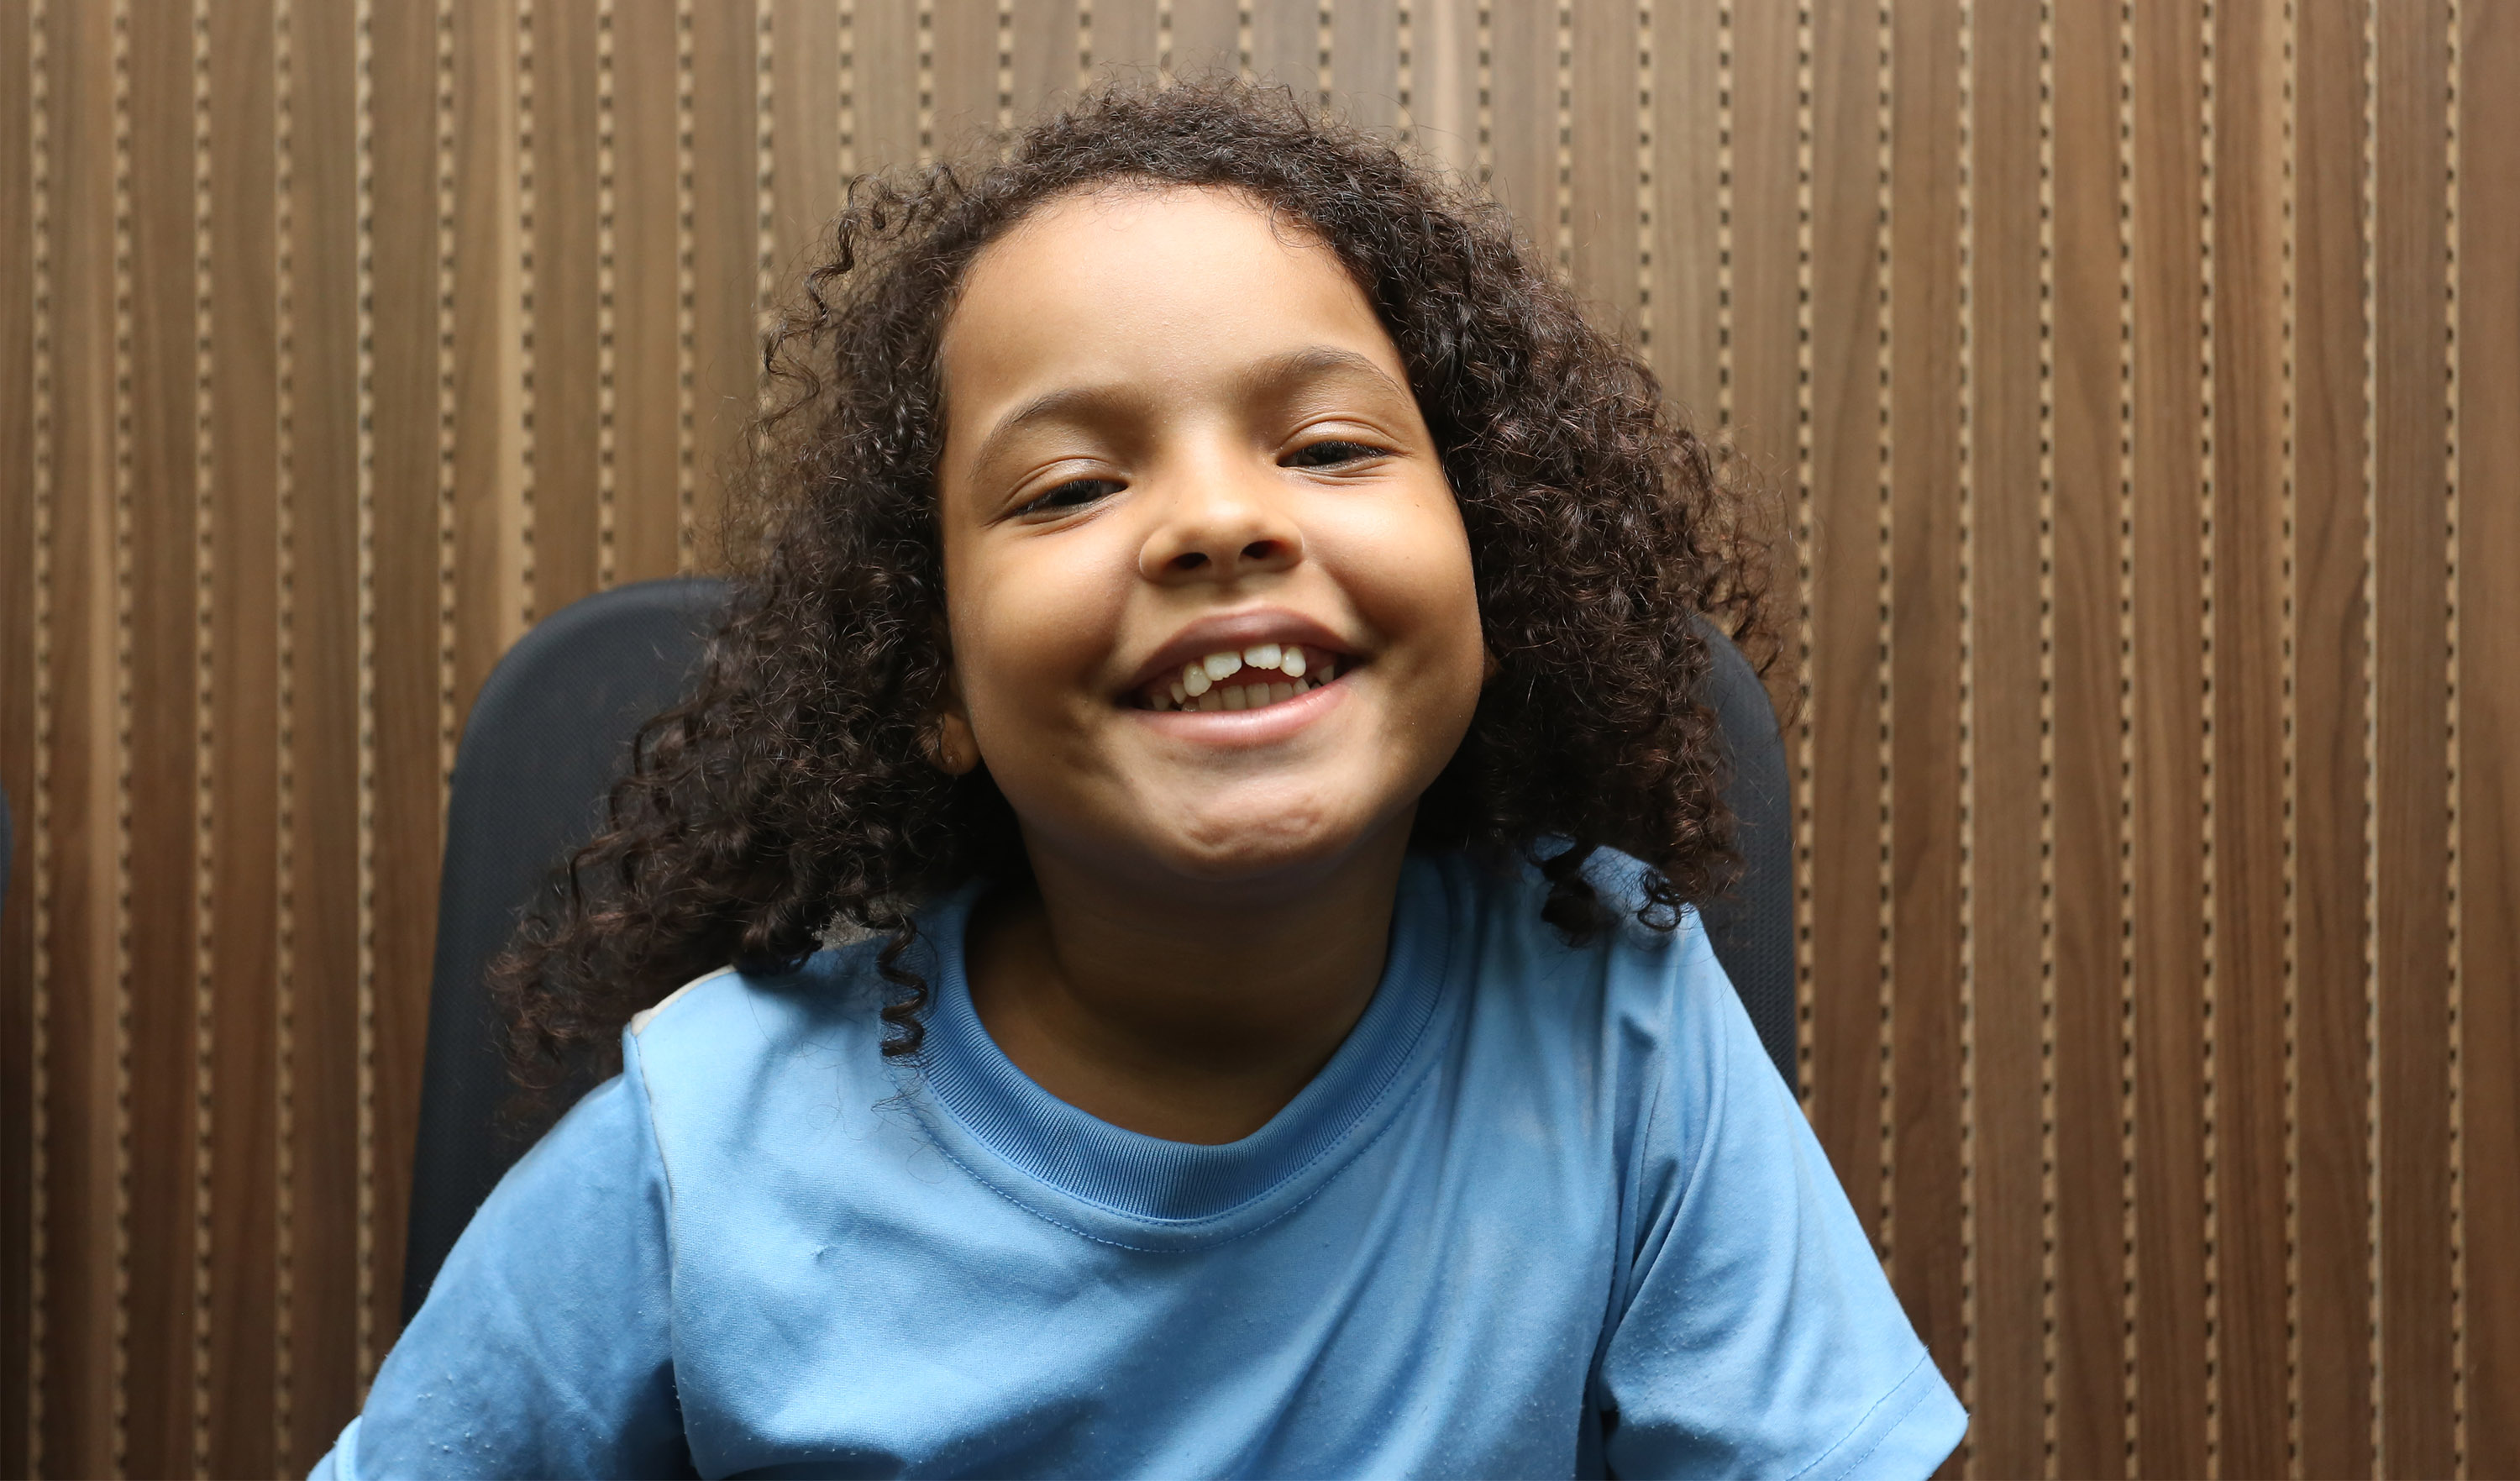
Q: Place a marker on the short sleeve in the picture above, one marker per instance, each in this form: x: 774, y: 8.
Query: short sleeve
x: 1758, y: 1336
x: 545, y: 1346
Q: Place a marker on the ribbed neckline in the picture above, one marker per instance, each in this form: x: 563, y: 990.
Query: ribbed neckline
x: 1147, y: 1178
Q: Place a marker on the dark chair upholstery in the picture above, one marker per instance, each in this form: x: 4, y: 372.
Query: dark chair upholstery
x: 550, y: 731
x: 1752, y: 926
x: 547, y: 736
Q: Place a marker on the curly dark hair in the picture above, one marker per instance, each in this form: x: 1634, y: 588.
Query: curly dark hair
x: 793, y: 793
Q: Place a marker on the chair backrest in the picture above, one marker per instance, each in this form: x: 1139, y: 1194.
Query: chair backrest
x: 548, y: 736
x: 1752, y: 927
x: 551, y: 730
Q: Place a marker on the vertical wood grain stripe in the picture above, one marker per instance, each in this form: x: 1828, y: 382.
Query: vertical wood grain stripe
x: 285, y: 993
x: 122, y: 453
x: 39, y: 1052
x: 204, y: 694
x: 364, y: 209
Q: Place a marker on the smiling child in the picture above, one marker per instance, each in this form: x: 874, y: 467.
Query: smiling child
x: 1217, y: 647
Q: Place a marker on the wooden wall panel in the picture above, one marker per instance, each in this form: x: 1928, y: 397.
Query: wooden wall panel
x: 2111, y: 368
x: 2331, y: 925
x: 2088, y: 345
x: 17, y: 532
x: 2486, y: 624
x: 2004, y: 542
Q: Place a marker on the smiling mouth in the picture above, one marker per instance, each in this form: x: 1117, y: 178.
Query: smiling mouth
x: 1254, y: 678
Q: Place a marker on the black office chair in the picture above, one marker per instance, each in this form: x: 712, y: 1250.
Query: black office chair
x: 551, y: 730
x: 547, y: 736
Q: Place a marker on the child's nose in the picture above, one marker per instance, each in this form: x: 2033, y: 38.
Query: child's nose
x: 1220, y: 529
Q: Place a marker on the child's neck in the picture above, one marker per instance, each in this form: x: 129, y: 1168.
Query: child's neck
x: 1176, y: 1015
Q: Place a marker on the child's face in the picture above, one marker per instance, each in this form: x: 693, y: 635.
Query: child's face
x: 1175, y: 431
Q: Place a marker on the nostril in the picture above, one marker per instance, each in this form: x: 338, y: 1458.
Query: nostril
x: 1259, y: 550
x: 1191, y: 560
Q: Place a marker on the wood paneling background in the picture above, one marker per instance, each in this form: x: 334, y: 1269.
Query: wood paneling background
x: 2141, y: 378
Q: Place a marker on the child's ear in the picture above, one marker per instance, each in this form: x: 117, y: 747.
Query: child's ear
x: 1489, y: 667
x: 950, y: 745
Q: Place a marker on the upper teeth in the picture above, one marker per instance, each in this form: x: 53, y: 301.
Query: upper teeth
x: 1200, y: 685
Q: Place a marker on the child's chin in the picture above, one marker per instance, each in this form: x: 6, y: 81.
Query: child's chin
x: 1235, y: 847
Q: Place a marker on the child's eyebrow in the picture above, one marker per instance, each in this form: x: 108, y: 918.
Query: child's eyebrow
x: 1276, y: 375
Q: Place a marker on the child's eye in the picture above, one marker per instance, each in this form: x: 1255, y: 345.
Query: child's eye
x: 1070, y: 495
x: 1333, y: 452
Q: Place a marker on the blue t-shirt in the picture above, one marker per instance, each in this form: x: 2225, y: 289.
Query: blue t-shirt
x: 1546, y: 1211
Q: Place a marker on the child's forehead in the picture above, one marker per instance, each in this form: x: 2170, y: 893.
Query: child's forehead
x: 1147, y: 280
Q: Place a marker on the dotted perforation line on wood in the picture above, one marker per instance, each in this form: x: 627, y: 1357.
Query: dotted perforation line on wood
x: 1243, y: 40
x: 1084, y: 44
x: 1404, y: 78
x: 2456, y: 986
x: 848, y: 100
x: 1644, y: 179
x: 1004, y: 76
x: 765, y: 187
x: 1163, y: 43
x: 1965, y: 494
x: 926, y: 17
x: 2288, y: 732
x: 2369, y: 215
x: 364, y: 153
x: 1324, y: 78
x: 1806, y: 633
x: 124, y: 494
x: 445, y: 225
x: 608, y: 281
x: 526, y: 204
x: 41, y: 494
x: 285, y: 985
x: 2209, y: 865
x: 2130, y: 1295
x: 1563, y: 241
x: 205, y: 741
x: 1486, y: 96
x: 686, y: 291
x: 1886, y: 861
x: 2047, y: 1145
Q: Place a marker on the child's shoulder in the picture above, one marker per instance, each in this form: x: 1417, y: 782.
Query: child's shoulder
x: 724, y: 1024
